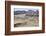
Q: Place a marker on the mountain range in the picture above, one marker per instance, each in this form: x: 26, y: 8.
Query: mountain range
x: 31, y: 12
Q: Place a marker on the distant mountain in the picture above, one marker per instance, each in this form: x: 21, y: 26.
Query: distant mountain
x: 19, y: 12
x: 31, y: 12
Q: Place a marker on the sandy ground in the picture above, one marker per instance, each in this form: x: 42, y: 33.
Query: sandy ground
x: 26, y: 22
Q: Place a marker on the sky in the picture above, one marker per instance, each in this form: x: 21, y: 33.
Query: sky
x: 26, y: 9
